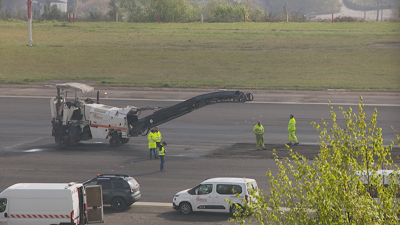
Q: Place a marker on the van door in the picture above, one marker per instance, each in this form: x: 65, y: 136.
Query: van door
x: 225, y: 193
x: 3, y: 211
x: 204, y: 198
x: 94, y: 198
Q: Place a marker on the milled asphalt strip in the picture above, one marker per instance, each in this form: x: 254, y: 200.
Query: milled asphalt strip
x: 252, y: 102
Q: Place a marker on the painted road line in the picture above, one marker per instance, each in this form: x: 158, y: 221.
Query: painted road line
x: 162, y: 204
x: 252, y: 102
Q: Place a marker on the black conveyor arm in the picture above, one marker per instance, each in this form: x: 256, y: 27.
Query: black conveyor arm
x: 180, y: 109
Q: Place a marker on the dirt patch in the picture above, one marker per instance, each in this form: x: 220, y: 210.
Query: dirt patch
x: 392, y: 45
x: 248, y: 150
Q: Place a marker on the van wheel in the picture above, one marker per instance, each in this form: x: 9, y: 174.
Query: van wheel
x: 185, y: 207
x: 118, y: 204
x: 236, y: 208
x: 114, y: 141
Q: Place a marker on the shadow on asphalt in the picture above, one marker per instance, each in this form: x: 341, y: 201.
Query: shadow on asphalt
x: 176, y: 216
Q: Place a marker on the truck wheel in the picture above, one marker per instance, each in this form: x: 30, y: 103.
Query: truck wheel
x: 124, y: 140
x: 118, y: 204
x: 64, y: 141
x: 185, y: 208
x: 114, y: 141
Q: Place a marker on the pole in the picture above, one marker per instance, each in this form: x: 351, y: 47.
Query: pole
x: 287, y: 17
x: 73, y: 14
x: 332, y: 17
x: 29, y: 2
x: 244, y: 18
x: 116, y: 17
x: 365, y: 13
x: 202, y: 18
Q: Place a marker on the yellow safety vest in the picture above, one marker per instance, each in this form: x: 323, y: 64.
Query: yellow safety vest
x: 158, y: 136
x: 161, y: 150
x: 152, y: 140
x: 292, y: 124
x: 258, y: 129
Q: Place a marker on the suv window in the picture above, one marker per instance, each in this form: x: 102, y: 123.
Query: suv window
x: 118, y: 184
x: 92, y: 182
x: 105, y: 184
x: 228, y: 189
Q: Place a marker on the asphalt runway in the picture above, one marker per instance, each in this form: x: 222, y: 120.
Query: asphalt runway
x: 213, y: 141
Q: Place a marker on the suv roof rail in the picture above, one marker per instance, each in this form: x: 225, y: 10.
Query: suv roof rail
x: 112, y: 175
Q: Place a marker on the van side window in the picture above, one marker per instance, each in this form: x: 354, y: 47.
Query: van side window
x: 227, y: 189
x: 105, y: 184
x: 204, y: 189
x: 3, y: 204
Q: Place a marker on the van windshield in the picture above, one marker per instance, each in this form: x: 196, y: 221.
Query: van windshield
x: 252, y: 185
x: 3, y: 204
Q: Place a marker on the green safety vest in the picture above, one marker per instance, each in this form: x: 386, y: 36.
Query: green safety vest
x: 258, y: 129
x: 292, y: 124
x: 161, y: 150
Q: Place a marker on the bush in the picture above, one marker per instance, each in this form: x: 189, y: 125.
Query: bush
x: 348, y: 19
x: 332, y: 186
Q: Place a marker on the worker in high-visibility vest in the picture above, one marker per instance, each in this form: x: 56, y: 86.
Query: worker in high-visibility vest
x: 292, y: 130
x: 158, y: 136
x: 151, y: 138
x: 161, y: 154
x: 259, y: 132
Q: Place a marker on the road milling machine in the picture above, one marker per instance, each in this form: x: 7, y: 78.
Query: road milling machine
x: 76, y: 120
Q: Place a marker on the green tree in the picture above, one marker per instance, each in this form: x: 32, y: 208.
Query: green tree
x: 51, y: 12
x: 137, y: 10
x: 337, y: 186
x: 72, y: 4
x: 114, y: 9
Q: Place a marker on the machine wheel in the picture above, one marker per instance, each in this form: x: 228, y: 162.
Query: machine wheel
x: 64, y: 141
x: 124, y: 140
x: 185, y: 207
x: 118, y: 204
x: 250, y: 97
x: 114, y: 141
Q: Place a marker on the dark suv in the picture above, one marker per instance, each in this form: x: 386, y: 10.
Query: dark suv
x: 118, y: 190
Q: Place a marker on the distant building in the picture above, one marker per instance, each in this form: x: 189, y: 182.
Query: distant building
x: 39, y: 5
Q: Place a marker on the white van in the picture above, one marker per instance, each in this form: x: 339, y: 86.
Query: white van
x: 212, y: 195
x: 50, y: 203
x: 383, y: 176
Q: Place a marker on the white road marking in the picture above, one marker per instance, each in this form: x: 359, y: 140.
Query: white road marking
x: 34, y: 150
x: 252, y: 102
x: 26, y: 142
x: 163, y: 204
